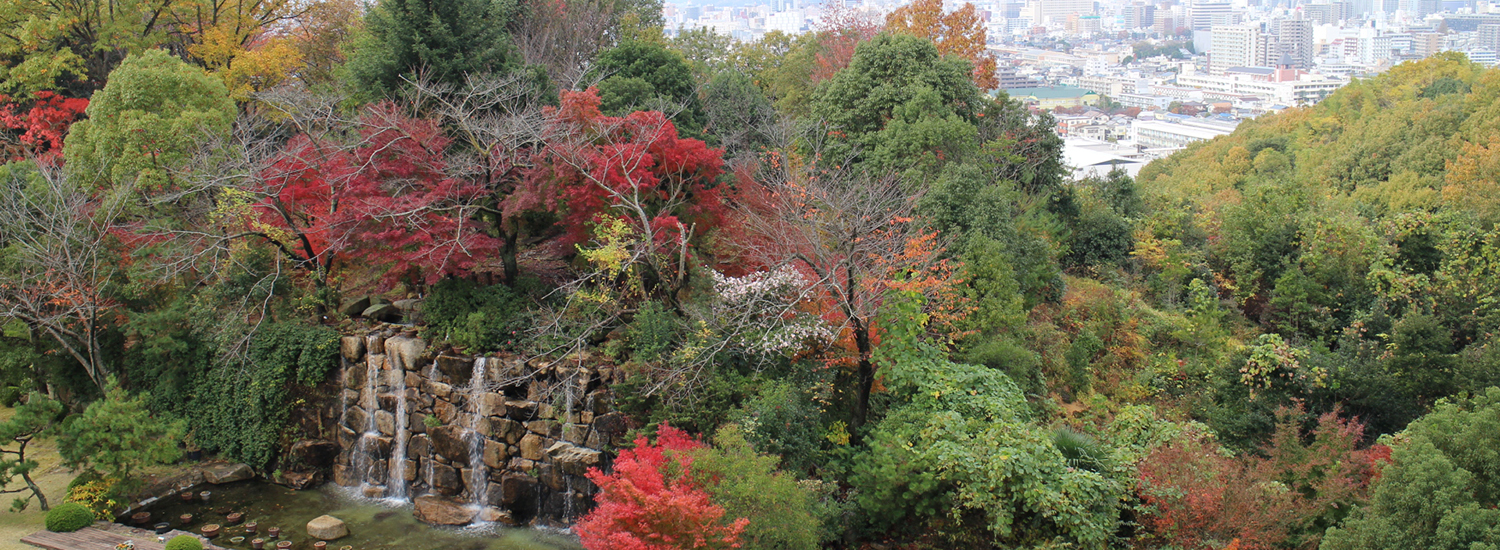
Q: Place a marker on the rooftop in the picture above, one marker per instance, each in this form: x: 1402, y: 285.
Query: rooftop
x: 1050, y: 92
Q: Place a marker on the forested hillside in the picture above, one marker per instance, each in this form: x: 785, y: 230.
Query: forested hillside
x: 855, y: 300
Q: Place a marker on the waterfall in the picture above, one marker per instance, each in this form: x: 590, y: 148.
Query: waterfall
x: 369, y: 400
x: 479, y: 471
x: 344, y: 393
x: 569, y: 387
x: 396, y: 483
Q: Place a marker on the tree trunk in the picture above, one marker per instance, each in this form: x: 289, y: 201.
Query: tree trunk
x: 21, y: 457
x: 508, y: 259
x: 865, y: 378
x: 40, y: 498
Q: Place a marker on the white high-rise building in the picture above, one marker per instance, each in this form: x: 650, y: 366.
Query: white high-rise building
x: 1057, y: 11
x: 1235, y: 46
x: 1294, y: 38
x: 790, y: 22
x: 1204, y: 15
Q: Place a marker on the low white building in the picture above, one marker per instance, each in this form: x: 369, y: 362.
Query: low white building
x: 1094, y: 157
x: 1174, y: 133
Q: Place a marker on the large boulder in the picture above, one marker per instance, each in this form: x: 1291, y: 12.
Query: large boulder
x: 495, y: 455
x: 354, y: 307
x: 449, y: 441
x: 327, y: 528
x: 383, y: 312
x: 518, y: 494
x: 344, y: 476
x: 226, y: 472
x: 437, y: 510
x: 385, y: 423
x: 573, y: 459
x: 316, y: 453
x: 406, y: 353
x: 458, y: 370
x: 491, y: 514
x: 445, y: 479
x: 352, y: 347
x: 531, y: 447
x: 507, y: 429
x: 297, y: 480
x: 357, y: 419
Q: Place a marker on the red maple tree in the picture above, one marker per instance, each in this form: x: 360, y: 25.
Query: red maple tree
x: 634, y: 166
x: 385, y: 198
x: 650, y: 502
x: 42, y: 124
x: 593, y: 168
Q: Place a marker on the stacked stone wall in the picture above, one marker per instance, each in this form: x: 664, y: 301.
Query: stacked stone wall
x: 495, y: 438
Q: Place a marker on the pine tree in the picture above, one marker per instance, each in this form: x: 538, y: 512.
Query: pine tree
x: 29, y: 421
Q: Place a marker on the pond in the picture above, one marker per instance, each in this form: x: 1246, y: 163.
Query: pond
x: 373, y: 525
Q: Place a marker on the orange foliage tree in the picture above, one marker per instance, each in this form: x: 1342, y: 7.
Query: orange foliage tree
x: 842, y: 29
x: 1471, y: 179
x: 240, y: 41
x: 61, y: 255
x: 958, y: 33
x: 853, y: 236
x: 1201, y: 497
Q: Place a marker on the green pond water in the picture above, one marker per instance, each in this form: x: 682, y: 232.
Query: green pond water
x: 373, y: 525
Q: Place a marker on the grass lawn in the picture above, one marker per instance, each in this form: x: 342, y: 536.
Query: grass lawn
x: 53, y: 479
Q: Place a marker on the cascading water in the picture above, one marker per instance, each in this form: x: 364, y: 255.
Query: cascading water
x: 344, y: 393
x: 569, y: 387
x: 396, y: 483
x: 479, y: 471
x: 369, y: 400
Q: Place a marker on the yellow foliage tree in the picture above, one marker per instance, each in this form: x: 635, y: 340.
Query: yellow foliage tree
x: 1473, y: 179
x: 73, y: 45
x: 958, y: 33
x: 236, y: 40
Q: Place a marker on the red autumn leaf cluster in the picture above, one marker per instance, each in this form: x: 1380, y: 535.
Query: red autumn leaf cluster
x: 842, y: 29
x: 650, y: 501
x: 1202, y: 497
x: 43, y: 124
x: 633, y: 167
x: 386, y: 199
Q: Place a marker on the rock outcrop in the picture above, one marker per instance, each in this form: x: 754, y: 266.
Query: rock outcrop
x: 327, y: 528
x: 442, y: 511
x: 227, y: 472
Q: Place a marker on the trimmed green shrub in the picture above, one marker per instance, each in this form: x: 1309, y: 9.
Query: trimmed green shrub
x: 184, y: 542
x: 68, y: 517
x: 957, y: 457
x: 782, y: 420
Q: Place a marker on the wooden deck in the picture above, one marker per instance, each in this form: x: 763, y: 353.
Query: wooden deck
x: 93, y: 538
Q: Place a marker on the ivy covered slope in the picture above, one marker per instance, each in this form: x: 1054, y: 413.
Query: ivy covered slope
x: 1362, y: 231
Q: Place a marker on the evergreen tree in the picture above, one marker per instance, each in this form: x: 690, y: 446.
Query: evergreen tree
x: 438, y: 40
x: 641, y: 75
x: 29, y: 421
x: 116, y: 436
